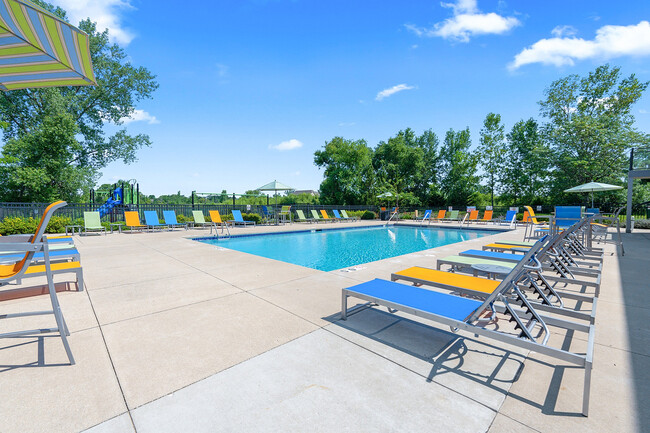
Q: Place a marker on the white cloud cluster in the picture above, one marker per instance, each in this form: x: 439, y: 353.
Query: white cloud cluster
x: 287, y: 145
x: 106, y: 13
x: 140, y: 116
x: 610, y: 41
x: 392, y: 90
x: 467, y: 21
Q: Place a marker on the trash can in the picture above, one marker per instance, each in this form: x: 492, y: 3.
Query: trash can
x: 384, y: 215
x: 647, y: 213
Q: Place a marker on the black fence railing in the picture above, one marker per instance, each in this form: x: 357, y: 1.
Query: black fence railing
x: 76, y: 210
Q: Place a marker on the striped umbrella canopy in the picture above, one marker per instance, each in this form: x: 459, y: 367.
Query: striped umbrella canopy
x: 38, y: 49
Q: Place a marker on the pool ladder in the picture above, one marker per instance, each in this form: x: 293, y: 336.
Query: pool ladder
x: 216, y: 230
x: 391, y: 218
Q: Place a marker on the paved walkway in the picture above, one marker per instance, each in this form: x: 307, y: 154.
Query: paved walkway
x: 175, y: 335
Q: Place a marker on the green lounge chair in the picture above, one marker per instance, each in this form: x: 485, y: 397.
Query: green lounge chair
x: 317, y: 217
x: 199, y: 219
x: 345, y: 215
x: 453, y: 216
x: 284, y: 214
x: 301, y: 217
x: 92, y: 223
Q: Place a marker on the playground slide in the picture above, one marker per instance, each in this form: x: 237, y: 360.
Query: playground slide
x: 111, y: 202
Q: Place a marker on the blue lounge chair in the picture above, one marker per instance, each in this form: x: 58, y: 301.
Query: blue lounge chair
x: 566, y: 216
x: 592, y: 211
x: 238, y: 219
x: 170, y: 220
x: 267, y: 215
x: 151, y: 220
x: 338, y: 216
x: 510, y: 218
x: 426, y: 216
x: 464, y: 314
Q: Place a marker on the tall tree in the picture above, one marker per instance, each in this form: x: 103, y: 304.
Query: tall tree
x: 83, y: 148
x: 526, y: 165
x: 459, y: 180
x: 492, y: 150
x: 399, y: 163
x: 590, y: 127
x: 349, y: 175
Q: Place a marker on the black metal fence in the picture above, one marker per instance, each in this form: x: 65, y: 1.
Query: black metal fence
x: 76, y: 210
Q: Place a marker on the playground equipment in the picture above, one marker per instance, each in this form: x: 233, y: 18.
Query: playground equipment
x: 121, y: 194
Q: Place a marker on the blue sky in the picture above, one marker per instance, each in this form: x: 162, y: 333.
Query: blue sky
x: 249, y: 89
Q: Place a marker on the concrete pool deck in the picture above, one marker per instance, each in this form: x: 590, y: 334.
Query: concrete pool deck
x: 176, y: 335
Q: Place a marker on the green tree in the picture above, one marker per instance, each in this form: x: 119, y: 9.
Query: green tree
x: 492, y: 150
x: 399, y: 163
x: 34, y: 166
x: 349, y: 175
x: 591, y: 127
x: 84, y: 148
x: 459, y: 181
x: 526, y: 165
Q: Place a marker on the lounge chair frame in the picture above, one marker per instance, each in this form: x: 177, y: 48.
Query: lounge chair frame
x: 38, y: 243
x: 526, y: 340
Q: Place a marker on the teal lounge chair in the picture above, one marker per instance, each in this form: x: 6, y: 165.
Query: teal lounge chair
x: 92, y: 223
x: 170, y: 220
x: 238, y: 219
x: 151, y: 220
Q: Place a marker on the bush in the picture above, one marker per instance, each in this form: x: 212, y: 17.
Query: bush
x: 252, y: 217
x: 22, y: 226
x: 184, y: 219
x: 368, y: 215
x: 642, y: 224
x: 355, y: 213
x: 406, y: 215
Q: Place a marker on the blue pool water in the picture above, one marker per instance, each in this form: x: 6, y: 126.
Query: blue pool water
x: 327, y: 250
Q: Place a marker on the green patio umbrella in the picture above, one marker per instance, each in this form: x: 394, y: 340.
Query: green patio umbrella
x: 592, y: 187
x: 275, y: 186
x: 39, y: 49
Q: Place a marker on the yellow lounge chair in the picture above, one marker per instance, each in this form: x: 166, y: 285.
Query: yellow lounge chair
x: 325, y: 216
x: 215, y: 217
x: 133, y: 220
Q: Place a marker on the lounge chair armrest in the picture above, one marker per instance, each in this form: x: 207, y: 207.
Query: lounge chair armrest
x: 20, y: 246
x: 15, y: 238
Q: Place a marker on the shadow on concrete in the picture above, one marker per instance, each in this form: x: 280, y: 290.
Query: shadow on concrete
x: 473, y: 359
x: 40, y: 353
x: 28, y: 292
x: 633, y: 268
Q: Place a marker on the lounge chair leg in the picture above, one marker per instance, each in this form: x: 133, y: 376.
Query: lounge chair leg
x: 56, y: 309
x: 587, y: 388
x: 344, y: 306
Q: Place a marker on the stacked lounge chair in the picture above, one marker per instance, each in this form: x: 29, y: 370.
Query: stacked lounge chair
x: 531, y: 329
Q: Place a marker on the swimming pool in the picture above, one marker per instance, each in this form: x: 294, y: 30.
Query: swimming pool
x: 327, y: 250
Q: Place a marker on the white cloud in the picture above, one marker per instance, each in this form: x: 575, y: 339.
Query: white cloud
x: 347, y: 123
x: 610, y: 42
x: 642, y: 111
x: 140, y: 116
x: 392, y: 90
x: 106, y: 13
x: 467, y: 22
x: 287, y: 145
x: 564, y: 31
x: 222, y: 70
